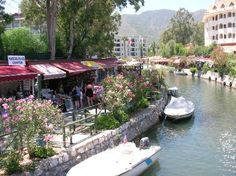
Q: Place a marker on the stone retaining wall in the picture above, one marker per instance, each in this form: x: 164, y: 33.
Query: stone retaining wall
x: 139, y: 123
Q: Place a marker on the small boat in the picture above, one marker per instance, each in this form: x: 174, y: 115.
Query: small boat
x: 172, y: 91
x: 181, y: 73
x: 179, y: 108
x: 124, y: 160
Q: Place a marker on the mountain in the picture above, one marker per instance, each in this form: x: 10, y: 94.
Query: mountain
x: 150, y: 24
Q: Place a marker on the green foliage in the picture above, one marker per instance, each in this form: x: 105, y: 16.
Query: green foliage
x: 193, y: 70
x: 198, y: 34
x: 143, y: 103
x: 42, y: 152
x: 12, y: 163
x: 106, y: 121
x: 22, y: 41
x: 205, y: 68
x: 121, y: 116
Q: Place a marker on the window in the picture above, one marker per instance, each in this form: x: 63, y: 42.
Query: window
x: 224, y: 15
x: 221, y: 36
x: 222, y: 6
x: 233, y: 25
x: 214, y: 7
x: 216, y: 27
x: 233, y: 35
x: 229, y: 35
x: 216, y: 17
x: 229, y: 25
x: 221, y: 16
x: 213, y: 27
x: 213, y: 18
x: 233, y: 14
x: 213, y: 37
x: 224, y: 25
x: 225, y: 36
x: 229, y: 14
x: 221, y: 26
x: 216, y: 36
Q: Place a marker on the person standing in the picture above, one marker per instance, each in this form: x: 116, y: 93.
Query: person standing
x: 76, y: 93
x: 89, y: 94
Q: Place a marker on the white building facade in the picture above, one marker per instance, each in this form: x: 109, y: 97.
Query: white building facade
x: 130, y: 46
x: 220, y: 25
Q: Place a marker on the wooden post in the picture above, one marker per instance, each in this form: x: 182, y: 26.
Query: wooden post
x: 64, y: 136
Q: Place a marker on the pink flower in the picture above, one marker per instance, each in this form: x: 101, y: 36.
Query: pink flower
x: 18, y: 108
x: 8, y: 130
x: 5, y: 115
x: 5, y: 106
x: 9, y: 99
x: 31, y: 97
x: 48, y: 138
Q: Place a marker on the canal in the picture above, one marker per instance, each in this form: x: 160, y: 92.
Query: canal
x: 204, y: 145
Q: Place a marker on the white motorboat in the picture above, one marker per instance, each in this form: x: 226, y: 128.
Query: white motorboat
x: 123, y: 160
x: 179, y: 108
x: 181, y: 73
x: 172, y: 91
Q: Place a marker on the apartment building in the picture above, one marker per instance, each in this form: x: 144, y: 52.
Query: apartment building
x: 220, y: 25
x: 130, y: 46
x: 17, y: 21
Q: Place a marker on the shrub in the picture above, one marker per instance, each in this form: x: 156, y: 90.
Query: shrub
x: 143, y: 103
x: 42, y: 152
x: 193, y: 70
x: 12, y: 163
x: 121, y: 116
x: 106, y: 121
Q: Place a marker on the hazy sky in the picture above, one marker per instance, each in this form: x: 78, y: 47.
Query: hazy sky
x: 191, y: 5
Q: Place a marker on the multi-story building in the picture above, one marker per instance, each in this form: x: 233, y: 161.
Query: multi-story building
x: 130, y: 46
x: 220, y: 25
x: 17, y: 21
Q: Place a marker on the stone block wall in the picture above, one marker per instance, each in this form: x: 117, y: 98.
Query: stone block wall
x: 140, y: 122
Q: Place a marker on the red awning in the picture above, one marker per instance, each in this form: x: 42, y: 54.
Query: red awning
x: 107, y: 63
x: 73, y: 68
x: 9, y: 73
x: 49, y: 71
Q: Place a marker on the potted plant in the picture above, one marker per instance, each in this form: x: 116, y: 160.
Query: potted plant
x: 193, y: 70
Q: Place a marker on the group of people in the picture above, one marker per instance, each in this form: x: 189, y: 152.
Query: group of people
x: 77, y: 94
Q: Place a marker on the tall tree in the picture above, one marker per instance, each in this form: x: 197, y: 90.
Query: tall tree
x: 4, y: 20
x: 45, y: 10
x: 80, y: 21
x: 198, y: 34
x: 180, y: 29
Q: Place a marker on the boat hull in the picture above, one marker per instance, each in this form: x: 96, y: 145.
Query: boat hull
x: 140, y: 168
x: 176, y: 117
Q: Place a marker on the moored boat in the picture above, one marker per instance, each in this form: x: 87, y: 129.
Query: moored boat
x: 179, y: 108
x: 123, y: 160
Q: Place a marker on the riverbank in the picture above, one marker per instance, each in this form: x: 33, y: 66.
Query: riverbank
x: 213, y: 76
x: 140, y: 122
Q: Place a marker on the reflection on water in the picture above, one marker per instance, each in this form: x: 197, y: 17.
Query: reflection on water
x: 205, y: 144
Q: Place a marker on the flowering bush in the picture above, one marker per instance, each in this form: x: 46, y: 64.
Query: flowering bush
x: 117, y: 93
x: 26, y: 119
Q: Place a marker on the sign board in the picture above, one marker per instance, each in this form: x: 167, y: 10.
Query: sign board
x: 16, y: 60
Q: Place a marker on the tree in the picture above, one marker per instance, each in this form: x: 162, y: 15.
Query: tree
x: 4, y: 20
x: 83, y: 11
x: 46, y: 11
x: 22, y: 41
x: 198, y: 34
x: 220, y: 60
x: 181, y: 28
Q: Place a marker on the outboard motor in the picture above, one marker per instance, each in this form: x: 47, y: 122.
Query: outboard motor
x: 144, y: 143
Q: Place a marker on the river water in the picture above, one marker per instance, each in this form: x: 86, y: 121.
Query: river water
x: 205, y: 145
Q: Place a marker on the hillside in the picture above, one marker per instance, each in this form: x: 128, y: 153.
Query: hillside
x: 150, y: 23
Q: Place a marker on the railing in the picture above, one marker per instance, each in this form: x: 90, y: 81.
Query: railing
x: 86, y: 121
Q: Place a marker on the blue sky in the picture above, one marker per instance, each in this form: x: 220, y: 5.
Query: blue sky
x: 191, y: 5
